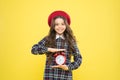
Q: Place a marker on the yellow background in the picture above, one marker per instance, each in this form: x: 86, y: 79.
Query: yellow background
x: 94, y: 22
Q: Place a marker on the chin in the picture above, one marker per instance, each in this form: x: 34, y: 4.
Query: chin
x: 60, y: 33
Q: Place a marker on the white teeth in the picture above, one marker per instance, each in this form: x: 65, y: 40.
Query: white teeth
x: 60, y: 30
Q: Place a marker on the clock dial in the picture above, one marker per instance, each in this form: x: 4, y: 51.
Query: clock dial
x: 60, y: 59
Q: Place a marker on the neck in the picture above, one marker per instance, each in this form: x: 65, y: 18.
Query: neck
x: 59, y: 34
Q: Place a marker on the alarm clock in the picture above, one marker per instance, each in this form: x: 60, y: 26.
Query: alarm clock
x: 60, y: 58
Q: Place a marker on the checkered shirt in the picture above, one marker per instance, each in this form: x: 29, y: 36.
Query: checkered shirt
x: 57, y: 73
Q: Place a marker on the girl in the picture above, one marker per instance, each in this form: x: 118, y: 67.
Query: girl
x: 59, y: 45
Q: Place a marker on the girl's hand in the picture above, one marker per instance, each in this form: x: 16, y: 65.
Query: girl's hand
x: 64, y: 67
x: 55, y: 50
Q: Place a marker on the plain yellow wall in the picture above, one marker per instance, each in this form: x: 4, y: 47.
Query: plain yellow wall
x: 94, y: 22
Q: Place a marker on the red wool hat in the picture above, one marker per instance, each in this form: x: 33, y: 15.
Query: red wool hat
x: 58, y: 13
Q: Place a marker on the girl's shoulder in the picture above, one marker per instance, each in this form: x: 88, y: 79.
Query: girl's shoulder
x: 43, y: 39
x: 46, y: 39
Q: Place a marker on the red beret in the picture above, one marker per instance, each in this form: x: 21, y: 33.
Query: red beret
x: 58, y: 13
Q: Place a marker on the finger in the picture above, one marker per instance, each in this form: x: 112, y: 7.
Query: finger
x: 62, y: 49
x: 63, y: 67
x: 55, y: 66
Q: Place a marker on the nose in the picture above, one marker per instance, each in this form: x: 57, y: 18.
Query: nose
x: 59, y: 25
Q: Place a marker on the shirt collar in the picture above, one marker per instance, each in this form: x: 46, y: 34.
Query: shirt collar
x: 57, y: 36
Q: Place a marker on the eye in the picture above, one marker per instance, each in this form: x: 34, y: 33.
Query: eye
x: 63, y: 24
x: 56, y: 24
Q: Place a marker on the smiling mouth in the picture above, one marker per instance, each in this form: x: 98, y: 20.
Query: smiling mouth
x: 60, y: 30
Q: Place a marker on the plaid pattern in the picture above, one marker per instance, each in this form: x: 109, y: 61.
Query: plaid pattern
x: 57, y: 73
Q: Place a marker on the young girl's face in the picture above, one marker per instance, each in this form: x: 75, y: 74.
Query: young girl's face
x: 59, y: 26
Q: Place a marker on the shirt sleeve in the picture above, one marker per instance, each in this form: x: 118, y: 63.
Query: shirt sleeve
x: 77, y: 59
x: 39, y: 48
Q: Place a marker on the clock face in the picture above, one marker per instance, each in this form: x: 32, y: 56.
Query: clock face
x: 60, y: 59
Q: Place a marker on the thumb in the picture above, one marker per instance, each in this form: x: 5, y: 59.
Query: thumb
x: 62, y: 49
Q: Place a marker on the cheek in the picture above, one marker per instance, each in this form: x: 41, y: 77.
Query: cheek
x: 55, y: 27
x: 64, y: 27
